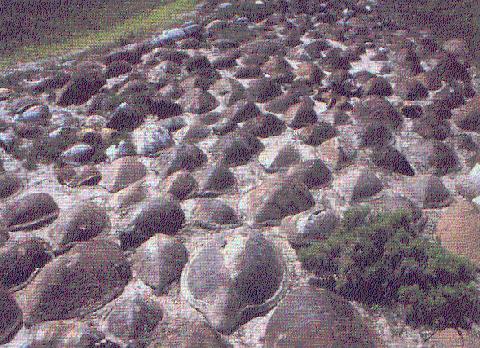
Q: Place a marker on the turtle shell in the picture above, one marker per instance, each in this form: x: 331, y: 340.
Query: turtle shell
x: 231, y: 281
x: 9, y: 185
x: 30, y: 211
x: 84, y: 279
x: 10, y: 316
x: 122, y: 173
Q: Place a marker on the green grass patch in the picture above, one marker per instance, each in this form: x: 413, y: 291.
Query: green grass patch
x: 134, y: 27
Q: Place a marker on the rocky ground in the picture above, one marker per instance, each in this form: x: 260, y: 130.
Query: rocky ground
x: 153, y: 195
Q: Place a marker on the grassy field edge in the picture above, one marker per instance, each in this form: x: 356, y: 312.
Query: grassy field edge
x: 133, y: 28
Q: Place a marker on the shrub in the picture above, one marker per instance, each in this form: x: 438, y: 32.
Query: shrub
x: 378, y: 259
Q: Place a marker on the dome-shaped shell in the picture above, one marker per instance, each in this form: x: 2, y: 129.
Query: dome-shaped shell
x: 233, y: 280
x: 122, y: 173
x: 275, y: 199
x: 84, y: 279
x: 159, y: 261
x: 81, y: 223
x: 30, y: 211
x: 158, y: 215
x: 10, y: 316
x: 213, y: 213
x: 310, y: 317
x: 377, y: 109
x: 19, y: 260
x: 9, y: 185
x: 459, y: 230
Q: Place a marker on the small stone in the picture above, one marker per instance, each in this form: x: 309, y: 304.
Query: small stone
x: 198, y: 101
x: 277, y: 198
x: 165, y: 108
x: 197, y: 63
x: 264, y: 126
x: 216, y: 180
x: 468, y: 118
x: 238, y: 149
x: 435, y: 194
x: 377, y: 109
x: 160, y: 261
x: 85, y: 221
x: 450, y: 69
x: 9, y: 185
x: 378, y: 86
x: 182, y: 185
x: 242, y: 111
x: 301, y: 115
x: 412, y: 111
x: 281, y: 103
x: 376, y: 135
x: 412, y: 89
x: 151, y: 139
x: 316, y: 48
x: 36, y: 114
x: 248, y: 72
x: 431, y: 128
x: 78, y: 154
x: 214, y: 214
x: 313, y: 173
x: 81, y: 87
x: 117, y: 68
x: 310, y: 73
x: 195, y: 133
x: 186, y: 157
x: 311, y: 227
x: 443, y: 158
x: 131, y: 195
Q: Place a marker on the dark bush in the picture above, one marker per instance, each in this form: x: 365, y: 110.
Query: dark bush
x: 379, y: 259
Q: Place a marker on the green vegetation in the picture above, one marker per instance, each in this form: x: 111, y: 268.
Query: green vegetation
x: 87, y: 30
x: 378, y: 259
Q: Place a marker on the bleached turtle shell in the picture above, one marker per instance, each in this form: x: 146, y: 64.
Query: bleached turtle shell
x: 234, y: 279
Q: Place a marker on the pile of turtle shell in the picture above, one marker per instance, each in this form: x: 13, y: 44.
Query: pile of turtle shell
x: 154, y: 195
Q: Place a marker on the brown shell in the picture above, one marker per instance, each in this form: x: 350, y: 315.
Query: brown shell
x: 10, y: 316
x: 82, y: 223
x: 30, y: 212
x: 87, y: 277
x: 122, y: 173
x: 9, y: 185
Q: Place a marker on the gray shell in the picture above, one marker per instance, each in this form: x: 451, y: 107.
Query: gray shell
x: 231, y: 282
